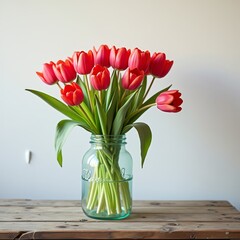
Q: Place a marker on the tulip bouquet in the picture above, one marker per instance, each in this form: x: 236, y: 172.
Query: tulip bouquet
x: 105, y: 91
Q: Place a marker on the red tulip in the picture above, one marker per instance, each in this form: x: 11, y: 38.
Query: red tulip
x: 72, y: 94
x: 101, y: 56
x: 83, y: 62
x: 159, y: 66
x: 139, y: 59
x: 47, y: 75
x: 132, y: 79
x: 64, y: 71
x: 169, y: 101
x: 100, y: 77
x: 119, y: 58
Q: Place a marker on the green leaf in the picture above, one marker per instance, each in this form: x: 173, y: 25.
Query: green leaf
x: 85, y: 122
x: 111, y: 89
x: 63, y: 129
x: 139, y: 97
x: 79, y: 80
x: 120, y: 88
x: 102, y: 116
x: 84, y: 89
x: 144, y: 107
x: 111, y: 111
x: 145, y: 136
x: 55, y: 103
x: 87, y: 115
x: 121, y: 114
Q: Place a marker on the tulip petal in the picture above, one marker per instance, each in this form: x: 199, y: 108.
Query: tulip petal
x: 132, y: 79
x: 67, y: 100
x: 77, y: 97
x: 177, y: 102
x: 159, y: 66
x: 48, y: 73
x: 41, y: 76
x: 75, y: 61
x: 164, y: 99
x: 169, y: 101
x: 112, y: 56
x: 100, y: 77
x: 58, y: 74
x: 101, y: 56
x: 166, y: 68
x: 166, y: 108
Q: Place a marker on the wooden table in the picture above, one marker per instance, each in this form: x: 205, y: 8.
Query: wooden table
x: 27, y: 219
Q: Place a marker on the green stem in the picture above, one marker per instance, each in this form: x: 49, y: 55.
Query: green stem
x: 149, y: 88
x: 89, y: 119
x: 109, y: 186
x: 100, y: 98
x: 138, y: 111
x: 122, y: 98
x: 88, y: 91
x: 59, y: 85
x: 93, y: 191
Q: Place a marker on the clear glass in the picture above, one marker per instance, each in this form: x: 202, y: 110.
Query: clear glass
x: 107, y: 178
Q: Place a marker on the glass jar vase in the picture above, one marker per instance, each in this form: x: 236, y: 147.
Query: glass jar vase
x: 107, y: 178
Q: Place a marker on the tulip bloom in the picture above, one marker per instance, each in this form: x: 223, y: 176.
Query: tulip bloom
x: 119, y: 58
x: 132, y: 79
x: 47, y: 75
x: 159, y: 66
x: 139, y: 59
x: 169, y: 101
x: 100, y: 77
x: 64, y: 71
x: 101, y: 56
x: 72, y: 94
x: 83, y: 62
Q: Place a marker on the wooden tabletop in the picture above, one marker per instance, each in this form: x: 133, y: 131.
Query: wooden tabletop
x: 31, y: 219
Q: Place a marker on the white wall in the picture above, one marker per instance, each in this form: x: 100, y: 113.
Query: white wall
x: 194, y: 154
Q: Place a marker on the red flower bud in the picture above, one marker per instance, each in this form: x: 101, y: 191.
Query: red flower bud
x: 83, y: 62
x: 101, y: 56
x: 132, y: 79
x: 119, y: 58
x: 100, y: 77
x: 159, y: 66
x: 169, y: 101
x: 64, y: 71
x: 139, y: 59
x: 72, y: 94
x: 47, y: 75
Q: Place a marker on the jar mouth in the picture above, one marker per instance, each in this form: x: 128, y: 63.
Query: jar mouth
x: 108, y: 139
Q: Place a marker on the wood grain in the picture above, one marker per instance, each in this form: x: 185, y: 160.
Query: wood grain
x: 137, y: 203
x: 37, y: 219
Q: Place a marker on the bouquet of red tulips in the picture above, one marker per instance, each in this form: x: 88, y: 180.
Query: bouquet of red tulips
x: 104, y: 100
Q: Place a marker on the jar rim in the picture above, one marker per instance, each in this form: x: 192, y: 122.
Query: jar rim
x: 108, y: 135
x: 108, y: 139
